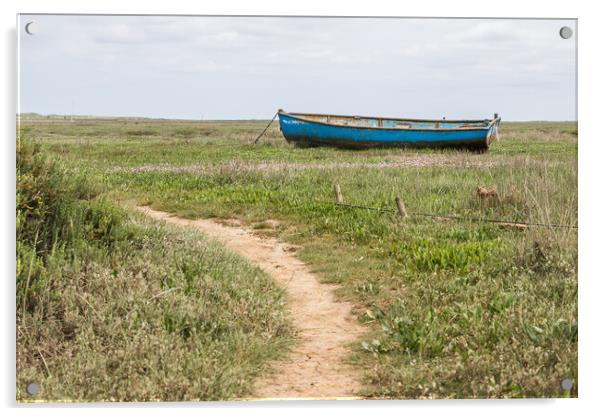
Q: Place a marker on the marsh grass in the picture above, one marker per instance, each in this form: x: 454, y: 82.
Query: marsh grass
x: 113, y: 307
x: 455, y: 309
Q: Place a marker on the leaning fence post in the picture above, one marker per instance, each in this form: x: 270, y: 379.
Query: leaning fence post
x: 337, y: 194
x: 401, y: 208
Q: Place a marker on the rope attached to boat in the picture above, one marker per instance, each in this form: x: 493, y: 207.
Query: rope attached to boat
x: 266, y: 129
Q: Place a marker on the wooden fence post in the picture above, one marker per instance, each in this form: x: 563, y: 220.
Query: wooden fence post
x: 401, y: 208
x: 337, y: 194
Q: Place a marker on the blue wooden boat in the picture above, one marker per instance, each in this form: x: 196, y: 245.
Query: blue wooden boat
x: 358, y: 132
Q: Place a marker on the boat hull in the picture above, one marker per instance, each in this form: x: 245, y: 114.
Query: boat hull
x: 307, y: 132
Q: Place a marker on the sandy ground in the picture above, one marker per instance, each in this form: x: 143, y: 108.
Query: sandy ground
x: 325, y: 327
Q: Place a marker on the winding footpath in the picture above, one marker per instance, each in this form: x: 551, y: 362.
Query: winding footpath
x: 324, y: 327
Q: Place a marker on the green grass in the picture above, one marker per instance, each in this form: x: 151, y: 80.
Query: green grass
x: 455, y: 309
x: 111, y: 306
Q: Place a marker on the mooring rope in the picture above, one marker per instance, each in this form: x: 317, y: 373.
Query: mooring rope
x: 266, y: 129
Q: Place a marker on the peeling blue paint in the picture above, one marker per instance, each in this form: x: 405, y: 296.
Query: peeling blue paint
x: 363, y: 132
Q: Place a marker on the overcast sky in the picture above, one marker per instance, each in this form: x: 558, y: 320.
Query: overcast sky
x: 230, y: 68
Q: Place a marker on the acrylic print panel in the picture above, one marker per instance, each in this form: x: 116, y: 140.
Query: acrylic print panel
x: 234, y: 208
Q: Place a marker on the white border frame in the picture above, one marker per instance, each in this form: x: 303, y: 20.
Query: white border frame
x: 589, y: 196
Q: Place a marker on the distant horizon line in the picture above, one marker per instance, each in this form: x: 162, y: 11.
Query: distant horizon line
x: 91, y: 117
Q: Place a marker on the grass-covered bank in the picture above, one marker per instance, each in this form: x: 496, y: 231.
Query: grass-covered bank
x: 457, y: 309
x: 477, y: 309
x: 111, y: 306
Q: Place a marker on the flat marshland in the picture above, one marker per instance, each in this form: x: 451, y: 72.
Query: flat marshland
x: 112, y: 305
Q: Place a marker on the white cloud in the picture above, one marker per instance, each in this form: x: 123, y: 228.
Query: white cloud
x: 247, y: 67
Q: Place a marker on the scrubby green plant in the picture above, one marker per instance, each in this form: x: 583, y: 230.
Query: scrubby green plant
x: 113, y: 307
x: 487, y: 311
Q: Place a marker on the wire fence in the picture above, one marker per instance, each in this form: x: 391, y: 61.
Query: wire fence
x: 401, y: 210
x: 401, y: 207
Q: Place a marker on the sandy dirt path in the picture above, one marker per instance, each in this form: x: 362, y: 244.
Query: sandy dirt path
x: 325, y: 327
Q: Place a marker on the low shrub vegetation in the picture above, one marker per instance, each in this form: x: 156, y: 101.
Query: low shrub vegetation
x: 113, y: 307
x: 456, y: 309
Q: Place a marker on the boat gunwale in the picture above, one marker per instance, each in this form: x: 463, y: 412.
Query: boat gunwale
x: 300, y: 117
